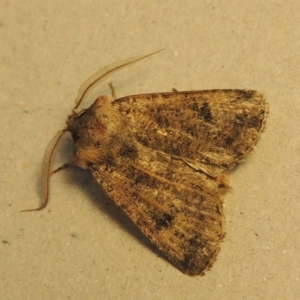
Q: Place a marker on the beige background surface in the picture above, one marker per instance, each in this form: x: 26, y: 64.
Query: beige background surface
x: 82, y: 246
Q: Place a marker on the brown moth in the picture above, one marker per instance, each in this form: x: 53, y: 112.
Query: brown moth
x: 162, y: 158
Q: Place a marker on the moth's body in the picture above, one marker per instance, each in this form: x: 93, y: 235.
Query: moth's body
x: 162, y: 156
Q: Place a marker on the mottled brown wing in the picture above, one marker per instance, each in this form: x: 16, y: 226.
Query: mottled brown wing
x: 161, y: 157
x: 176, y: 207
x: 211, y: 130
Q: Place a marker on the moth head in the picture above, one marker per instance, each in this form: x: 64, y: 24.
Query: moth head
x: 73, y: 119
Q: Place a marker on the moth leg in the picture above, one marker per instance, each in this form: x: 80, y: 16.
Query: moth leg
x: 112, y: 89
x: 65, y: 166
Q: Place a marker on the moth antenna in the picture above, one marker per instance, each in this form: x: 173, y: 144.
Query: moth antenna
x: 104, y: 72
x: 46, y: 170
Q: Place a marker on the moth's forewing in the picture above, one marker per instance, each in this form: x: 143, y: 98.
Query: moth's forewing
x: 178, y: 209
x: 215, y: 127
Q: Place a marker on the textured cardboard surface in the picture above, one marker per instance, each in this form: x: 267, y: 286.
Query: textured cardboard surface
x: 82, y: 245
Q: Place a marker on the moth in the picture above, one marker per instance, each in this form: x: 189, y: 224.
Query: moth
x: 163, y: 158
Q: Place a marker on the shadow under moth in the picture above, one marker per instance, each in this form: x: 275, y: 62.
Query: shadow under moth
x: 162, y: 158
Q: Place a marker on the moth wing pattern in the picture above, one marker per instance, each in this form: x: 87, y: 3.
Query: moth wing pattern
x: 178, y: 209
x: 211, y: 129
x: 161, y: 158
